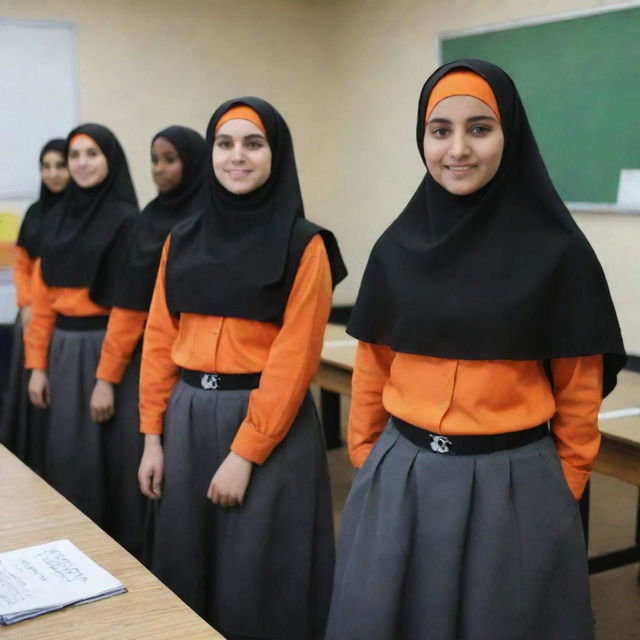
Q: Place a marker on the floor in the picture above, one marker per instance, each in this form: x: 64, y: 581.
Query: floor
x: 615, y: 593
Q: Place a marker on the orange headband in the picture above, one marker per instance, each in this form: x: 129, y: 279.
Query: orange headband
x: 462, y: 83
x: 242, y: 112
x: 79, y: 136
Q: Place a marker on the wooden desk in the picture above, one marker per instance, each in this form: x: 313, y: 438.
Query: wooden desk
x: 31, y: 512
x: 619, y: 451
x: 619, y: 457
x: 334, y: 379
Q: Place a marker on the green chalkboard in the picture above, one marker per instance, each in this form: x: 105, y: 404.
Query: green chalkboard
x: 579, y: 79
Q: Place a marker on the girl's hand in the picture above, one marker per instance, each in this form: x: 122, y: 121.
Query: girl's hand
x: 151, y: 467
x: 101, y: 404
x: 230, y: 481
x: 39, y: 390
x: 25, y: 316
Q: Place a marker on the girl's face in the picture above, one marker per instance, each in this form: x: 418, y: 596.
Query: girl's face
x: 87, y: 164
x: 166, y: 165
x: 54, y: 172
x: 241, y: 156
x: 463, y: 144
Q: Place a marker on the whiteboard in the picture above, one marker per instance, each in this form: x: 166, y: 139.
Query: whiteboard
x: 38, y: 85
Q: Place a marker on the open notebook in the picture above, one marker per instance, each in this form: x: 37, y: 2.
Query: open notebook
x: 46, y: 577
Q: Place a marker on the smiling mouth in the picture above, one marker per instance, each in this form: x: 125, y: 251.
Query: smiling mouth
x: 460, y: 168
x: 238, y: 173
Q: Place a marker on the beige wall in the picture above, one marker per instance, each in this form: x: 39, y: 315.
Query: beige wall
x: 145, y: 64
x: 615, y: 238
x: 345, y: 73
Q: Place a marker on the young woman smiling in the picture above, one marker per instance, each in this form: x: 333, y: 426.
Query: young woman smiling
x: 487, y: 338
x: 234, y: 453
x: 73, y: 289
x: 178, y: 169
x: 23, y: 426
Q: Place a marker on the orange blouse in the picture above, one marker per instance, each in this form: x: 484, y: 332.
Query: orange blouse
x: 288, y: 355
x: 468, y: 397
x: 22, y: 272
x: 47, y: 303
x: 124, y: 331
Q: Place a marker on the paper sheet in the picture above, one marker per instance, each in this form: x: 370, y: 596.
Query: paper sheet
x: 49, y: 576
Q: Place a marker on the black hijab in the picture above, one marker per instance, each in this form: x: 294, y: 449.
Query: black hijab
x: 502, y: 274
x: 239, y: 257
x: 90, y: 227
x: 30, y: 235
x: 160, y: 216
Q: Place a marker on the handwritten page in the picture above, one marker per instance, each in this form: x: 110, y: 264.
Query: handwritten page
x: 46, y: 577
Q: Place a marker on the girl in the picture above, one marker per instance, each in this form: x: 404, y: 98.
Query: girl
x: 178, y: 163
x: 483, y: 317
x: 23, y: 426
x: 233, y: 447
x: 73, y: 288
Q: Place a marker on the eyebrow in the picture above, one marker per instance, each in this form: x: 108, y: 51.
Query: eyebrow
x: 247, y: 137
x: 471, y: 119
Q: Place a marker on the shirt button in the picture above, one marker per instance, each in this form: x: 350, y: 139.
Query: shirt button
x: 441, y: 405
x: 216, y: 332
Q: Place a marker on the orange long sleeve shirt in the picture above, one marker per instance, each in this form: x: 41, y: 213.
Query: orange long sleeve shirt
x: 287, y: 355
x: 474, y: 397
x: 47, y: 303
x: 22, y: 272
x: 124, y: 331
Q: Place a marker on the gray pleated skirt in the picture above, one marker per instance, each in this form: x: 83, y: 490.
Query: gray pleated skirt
x: 438, y: 547
x: 261, y: 570
x: 95, y: 465
x: 23, y: 427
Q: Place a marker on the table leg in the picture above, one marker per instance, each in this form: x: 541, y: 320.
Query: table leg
x: 638, y: 533
x: 330, y: 407
x: 584, y: 513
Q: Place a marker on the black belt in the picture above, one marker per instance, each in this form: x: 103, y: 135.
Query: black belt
x: 468, y: 445
x: 221, y: 381
x: 81, y: 323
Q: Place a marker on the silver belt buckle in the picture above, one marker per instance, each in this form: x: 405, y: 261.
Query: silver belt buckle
x: 440, y: 444
x: 209, y: 381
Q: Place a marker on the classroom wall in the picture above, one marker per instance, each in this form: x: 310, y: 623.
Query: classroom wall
x: 345, y: 73
x: 146, y: 64
x: 615, y: 238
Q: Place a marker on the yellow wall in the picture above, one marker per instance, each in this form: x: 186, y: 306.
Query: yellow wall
x: 345, y: 73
